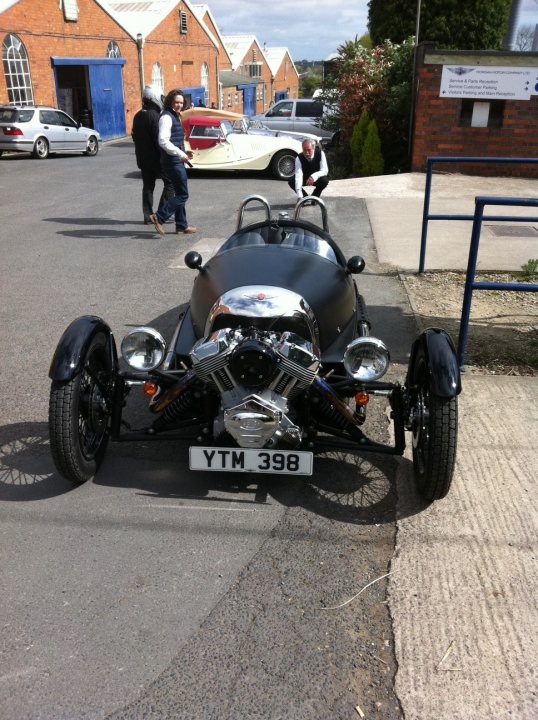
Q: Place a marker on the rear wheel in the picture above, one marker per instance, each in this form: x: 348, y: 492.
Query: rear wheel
x: 41, y: 148
x: 283, y: 164
x: 92, y: 147
x: 78, y: 418
x: 434, y: 427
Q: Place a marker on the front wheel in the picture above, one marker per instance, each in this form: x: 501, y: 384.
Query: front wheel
x: 92, y: 146
x: 41, y: 148
x: 78, y: 416
x: 283, y: 164
x: 434, y: 427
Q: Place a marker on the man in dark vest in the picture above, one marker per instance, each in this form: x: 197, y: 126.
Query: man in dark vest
x: 174, y: 157
x: 145, y: 134
x: 311, y: 170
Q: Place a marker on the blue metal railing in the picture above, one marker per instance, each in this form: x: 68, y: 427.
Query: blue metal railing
x: 427, y: 216
x: 470, y: 283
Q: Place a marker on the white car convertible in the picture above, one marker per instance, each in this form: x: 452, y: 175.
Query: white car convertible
x: 224, y: 142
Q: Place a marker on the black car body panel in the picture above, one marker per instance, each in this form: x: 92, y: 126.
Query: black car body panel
x: 270, y: 363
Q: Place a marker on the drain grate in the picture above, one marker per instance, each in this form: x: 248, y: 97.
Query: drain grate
x: 513, y: 230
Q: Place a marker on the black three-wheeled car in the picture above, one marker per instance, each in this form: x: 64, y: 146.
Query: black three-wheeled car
x: 271, y: 362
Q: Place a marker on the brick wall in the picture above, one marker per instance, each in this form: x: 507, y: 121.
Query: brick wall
x: 45, y: 33
x: 286, y: 78
x: 438, y: 130
x: 181, y: 56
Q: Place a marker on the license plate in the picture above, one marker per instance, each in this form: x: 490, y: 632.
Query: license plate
x: 288, y: 462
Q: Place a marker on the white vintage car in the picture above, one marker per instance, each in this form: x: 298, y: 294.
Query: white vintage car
x: 222, y: 140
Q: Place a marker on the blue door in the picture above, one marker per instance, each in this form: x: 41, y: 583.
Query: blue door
x: 195, y: 96
x: 106, y: 88
x: 249, y: 100
x: 102, y: 81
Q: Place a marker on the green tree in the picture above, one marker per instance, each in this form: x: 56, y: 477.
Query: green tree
x: 371, y: 159
x: 457, y: 24
x: 357, y: 141
x: 308, y: 83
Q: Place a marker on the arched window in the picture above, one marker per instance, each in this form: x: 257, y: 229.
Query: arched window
x: 205, y: 83
x: 113, y: 50
x: 157, y: 77
x: 17, y: 71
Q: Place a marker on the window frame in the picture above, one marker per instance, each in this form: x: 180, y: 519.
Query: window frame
x: 16, y: 65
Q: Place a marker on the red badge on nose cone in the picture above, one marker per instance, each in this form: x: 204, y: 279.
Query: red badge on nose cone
x: 260, y: 296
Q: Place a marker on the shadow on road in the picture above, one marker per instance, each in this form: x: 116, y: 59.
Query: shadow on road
x: 26, y: 468
x: 345, y: 488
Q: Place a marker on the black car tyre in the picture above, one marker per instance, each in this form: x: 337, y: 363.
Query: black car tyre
x: 283, y: 164
x: 92, y: 147
x: 434, y: 427
x: 41, y: 148
x: 78, y: 421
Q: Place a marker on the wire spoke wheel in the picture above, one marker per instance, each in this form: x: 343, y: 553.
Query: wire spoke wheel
x: 283, y: 164
x: 79, y: 417
x: 434, y: 429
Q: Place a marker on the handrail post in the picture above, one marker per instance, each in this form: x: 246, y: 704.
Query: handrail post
x: 425, y: 215
x: 469, y: 278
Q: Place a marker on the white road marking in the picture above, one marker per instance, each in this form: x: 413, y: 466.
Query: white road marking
x: 201, y: 507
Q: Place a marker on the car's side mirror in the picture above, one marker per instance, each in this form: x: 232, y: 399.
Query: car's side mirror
x: 193, y: 260
x: 355, y: 265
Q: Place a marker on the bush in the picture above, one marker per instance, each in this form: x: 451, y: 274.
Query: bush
x: 358, y: 139
x: 371, y: 162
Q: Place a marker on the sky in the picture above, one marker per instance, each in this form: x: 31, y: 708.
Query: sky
x: 310, y: 29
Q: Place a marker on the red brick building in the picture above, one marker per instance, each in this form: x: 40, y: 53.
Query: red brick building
x: 92, y: 58
x: 476, y: 104
x: 248, y: 62
x: 284, y: 75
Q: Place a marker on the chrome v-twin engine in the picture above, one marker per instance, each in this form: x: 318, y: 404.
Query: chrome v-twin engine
x: 256, y: 372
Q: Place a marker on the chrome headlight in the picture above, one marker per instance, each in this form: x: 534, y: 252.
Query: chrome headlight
x: 143, y: 348
x: 366, y: 358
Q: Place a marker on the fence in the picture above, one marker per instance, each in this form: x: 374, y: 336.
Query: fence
x: 427, y: 216
x: 470, y: 283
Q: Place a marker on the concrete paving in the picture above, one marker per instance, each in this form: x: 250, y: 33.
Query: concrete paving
x: 395, y: 205
x: 463, y: 590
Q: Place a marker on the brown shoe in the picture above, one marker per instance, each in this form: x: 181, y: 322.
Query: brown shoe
x: 157, y: 224
x: 186, y: 231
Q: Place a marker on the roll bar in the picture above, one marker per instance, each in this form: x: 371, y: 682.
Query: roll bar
x: 312, y: 200
x: 246, y: 201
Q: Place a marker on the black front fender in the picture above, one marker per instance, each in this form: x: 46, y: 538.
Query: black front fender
x: 70, y: 352
x: 441, y: 361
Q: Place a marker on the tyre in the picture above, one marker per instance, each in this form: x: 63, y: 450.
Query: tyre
x: 78, y: 417
x: 41, y: 148
x: 434, y: 428
x: 283, y: 164
x: 92, y: 147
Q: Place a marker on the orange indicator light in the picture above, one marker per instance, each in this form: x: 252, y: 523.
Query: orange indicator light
x: 150, y: 389
x: 362, y: 398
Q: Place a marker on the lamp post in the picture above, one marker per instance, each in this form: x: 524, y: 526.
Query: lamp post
x: 139, y: 46
x: 413, y: 86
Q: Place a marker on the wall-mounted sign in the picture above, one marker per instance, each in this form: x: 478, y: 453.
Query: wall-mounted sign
x: 483, y: 82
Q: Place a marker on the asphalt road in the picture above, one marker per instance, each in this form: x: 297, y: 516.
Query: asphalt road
x: 156, y: 592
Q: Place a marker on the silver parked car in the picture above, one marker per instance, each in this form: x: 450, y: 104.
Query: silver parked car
x: 44, y: 130
x: 302, y: 115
